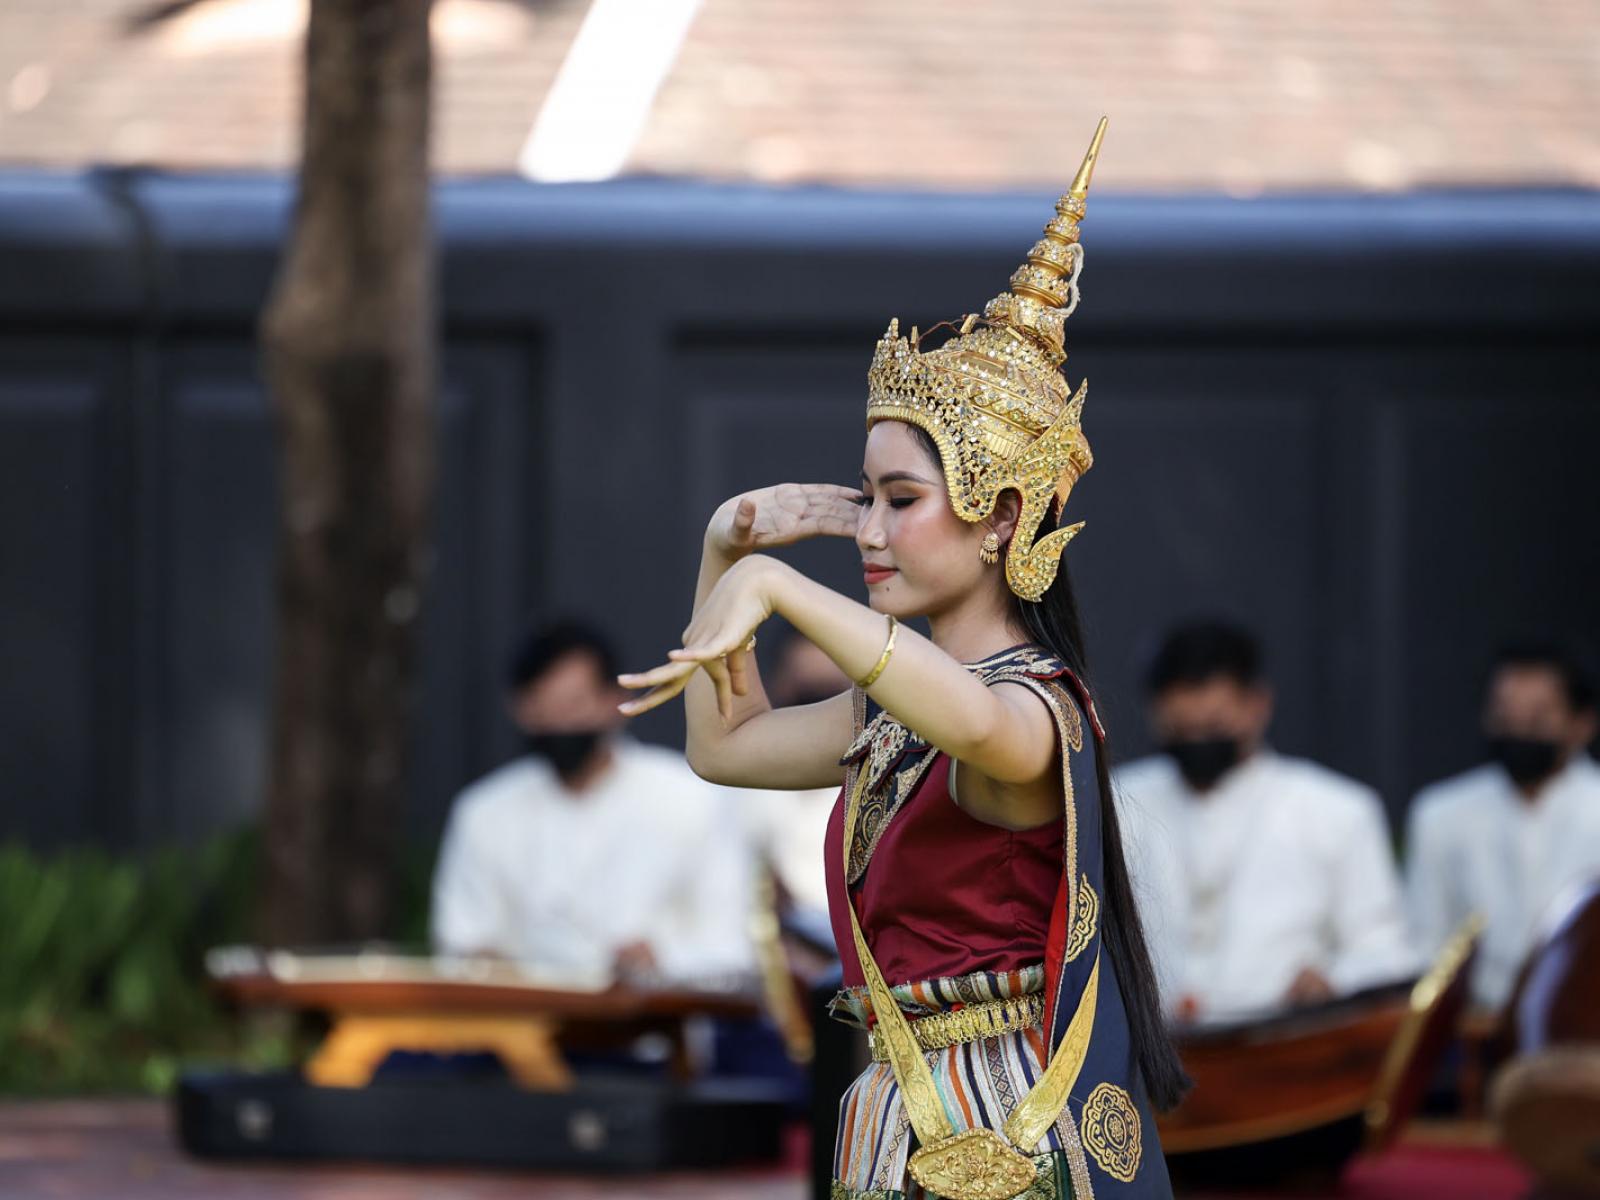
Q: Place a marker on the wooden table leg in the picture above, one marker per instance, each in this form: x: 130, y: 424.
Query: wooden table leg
x: 359, y: 1042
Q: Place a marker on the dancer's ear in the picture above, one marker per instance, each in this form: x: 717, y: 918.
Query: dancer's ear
x: 1002, y: 522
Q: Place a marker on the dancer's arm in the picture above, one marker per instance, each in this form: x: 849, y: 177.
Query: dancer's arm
x: 794, y: 747
x: 1003, y: 734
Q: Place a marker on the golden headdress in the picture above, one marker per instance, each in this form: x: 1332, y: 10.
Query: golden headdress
x: 995, y: 401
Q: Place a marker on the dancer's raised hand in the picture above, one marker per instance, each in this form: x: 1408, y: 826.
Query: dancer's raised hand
x: 781, y: 515
x: 717, y: 640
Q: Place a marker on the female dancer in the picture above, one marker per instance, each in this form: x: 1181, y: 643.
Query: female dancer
x: 974, y: 860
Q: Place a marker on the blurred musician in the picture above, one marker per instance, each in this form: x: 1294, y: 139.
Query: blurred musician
x: 1268, y: 881
x: 591, y: 852
x: 1506, y: 839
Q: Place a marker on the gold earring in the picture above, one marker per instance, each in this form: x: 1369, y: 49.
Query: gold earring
x: 989, y: 552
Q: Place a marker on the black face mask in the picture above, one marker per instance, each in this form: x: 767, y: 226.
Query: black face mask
x: 568, y: 751
x: 1526, y: 760
x: 1203, y: 761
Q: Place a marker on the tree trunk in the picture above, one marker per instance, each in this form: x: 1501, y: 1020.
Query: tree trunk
x: 348, y: 341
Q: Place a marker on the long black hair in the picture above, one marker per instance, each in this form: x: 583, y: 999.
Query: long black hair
x: 1054, y: 623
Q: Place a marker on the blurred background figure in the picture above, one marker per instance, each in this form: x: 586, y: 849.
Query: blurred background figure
x: 591, y: 852
x: 1508, y: 838
x: 1268, y: 881
x: 786, y: 828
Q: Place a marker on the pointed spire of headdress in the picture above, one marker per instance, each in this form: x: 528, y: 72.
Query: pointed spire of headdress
x: 1044, y: 289
x: 1080, y: 182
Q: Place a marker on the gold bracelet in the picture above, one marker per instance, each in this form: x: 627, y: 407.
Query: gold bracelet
x: 883, y: 659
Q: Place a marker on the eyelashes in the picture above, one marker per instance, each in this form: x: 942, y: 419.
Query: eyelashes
x: 897, y: 502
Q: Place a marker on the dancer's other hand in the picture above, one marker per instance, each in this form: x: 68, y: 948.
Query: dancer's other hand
x: 781, y: 515
x: 717, y: 639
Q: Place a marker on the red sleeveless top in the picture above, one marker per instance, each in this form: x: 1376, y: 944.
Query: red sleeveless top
x: 944, y: 894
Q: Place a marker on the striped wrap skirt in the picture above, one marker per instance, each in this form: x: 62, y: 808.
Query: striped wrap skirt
x: 981, y: 1082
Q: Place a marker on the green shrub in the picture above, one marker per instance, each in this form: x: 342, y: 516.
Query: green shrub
x: 102, y: 964
x: 101, y: 978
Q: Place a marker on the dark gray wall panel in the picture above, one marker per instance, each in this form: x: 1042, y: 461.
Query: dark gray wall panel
x: 754, y: 418
x: 1331, y: 416
x: 216, y: 619
x: 743, y: 416
x: 60, y: 683
x: 483, y: 577
x: 1203, y: 500
x: 1495, y: 533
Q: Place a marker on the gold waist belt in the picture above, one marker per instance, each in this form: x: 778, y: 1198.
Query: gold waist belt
x: 992, y: 1018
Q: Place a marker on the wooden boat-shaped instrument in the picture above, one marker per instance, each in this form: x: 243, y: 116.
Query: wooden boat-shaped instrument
x: 1308, y: 1088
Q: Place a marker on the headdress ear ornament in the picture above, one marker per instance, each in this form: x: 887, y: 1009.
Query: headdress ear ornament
x: 994, y: 400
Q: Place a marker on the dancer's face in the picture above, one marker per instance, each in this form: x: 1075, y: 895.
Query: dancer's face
x: 926, y: 557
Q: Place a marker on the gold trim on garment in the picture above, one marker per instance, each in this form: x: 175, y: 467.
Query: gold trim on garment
x: 1087, y: 922
x: 971, y: 1023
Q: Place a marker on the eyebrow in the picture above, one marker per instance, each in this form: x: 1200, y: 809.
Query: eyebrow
x: 897, y: 476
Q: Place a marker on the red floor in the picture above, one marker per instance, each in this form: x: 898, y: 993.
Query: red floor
x: 1434, y: 1162
x: 123, y: 1150
x: 1420, y: 1171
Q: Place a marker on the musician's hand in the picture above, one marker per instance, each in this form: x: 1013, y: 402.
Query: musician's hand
x: 1309, y: 987
x: 781, y: 515
x: 636, y: 959
x: 715, y: 640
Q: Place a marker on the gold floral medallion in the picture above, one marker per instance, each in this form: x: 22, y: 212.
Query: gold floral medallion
x: 1110, y: 1130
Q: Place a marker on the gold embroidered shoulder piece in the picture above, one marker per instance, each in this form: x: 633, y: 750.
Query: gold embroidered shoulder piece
x: 896, y: 759
x: 1032, y: 666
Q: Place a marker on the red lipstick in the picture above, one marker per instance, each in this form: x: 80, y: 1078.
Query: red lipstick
x: 873, y: 573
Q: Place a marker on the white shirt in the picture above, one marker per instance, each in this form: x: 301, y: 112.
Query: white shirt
x: 1283, y: 865
x: 562, y: 880
x: 1475, y: 844
x: 788, y: 830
